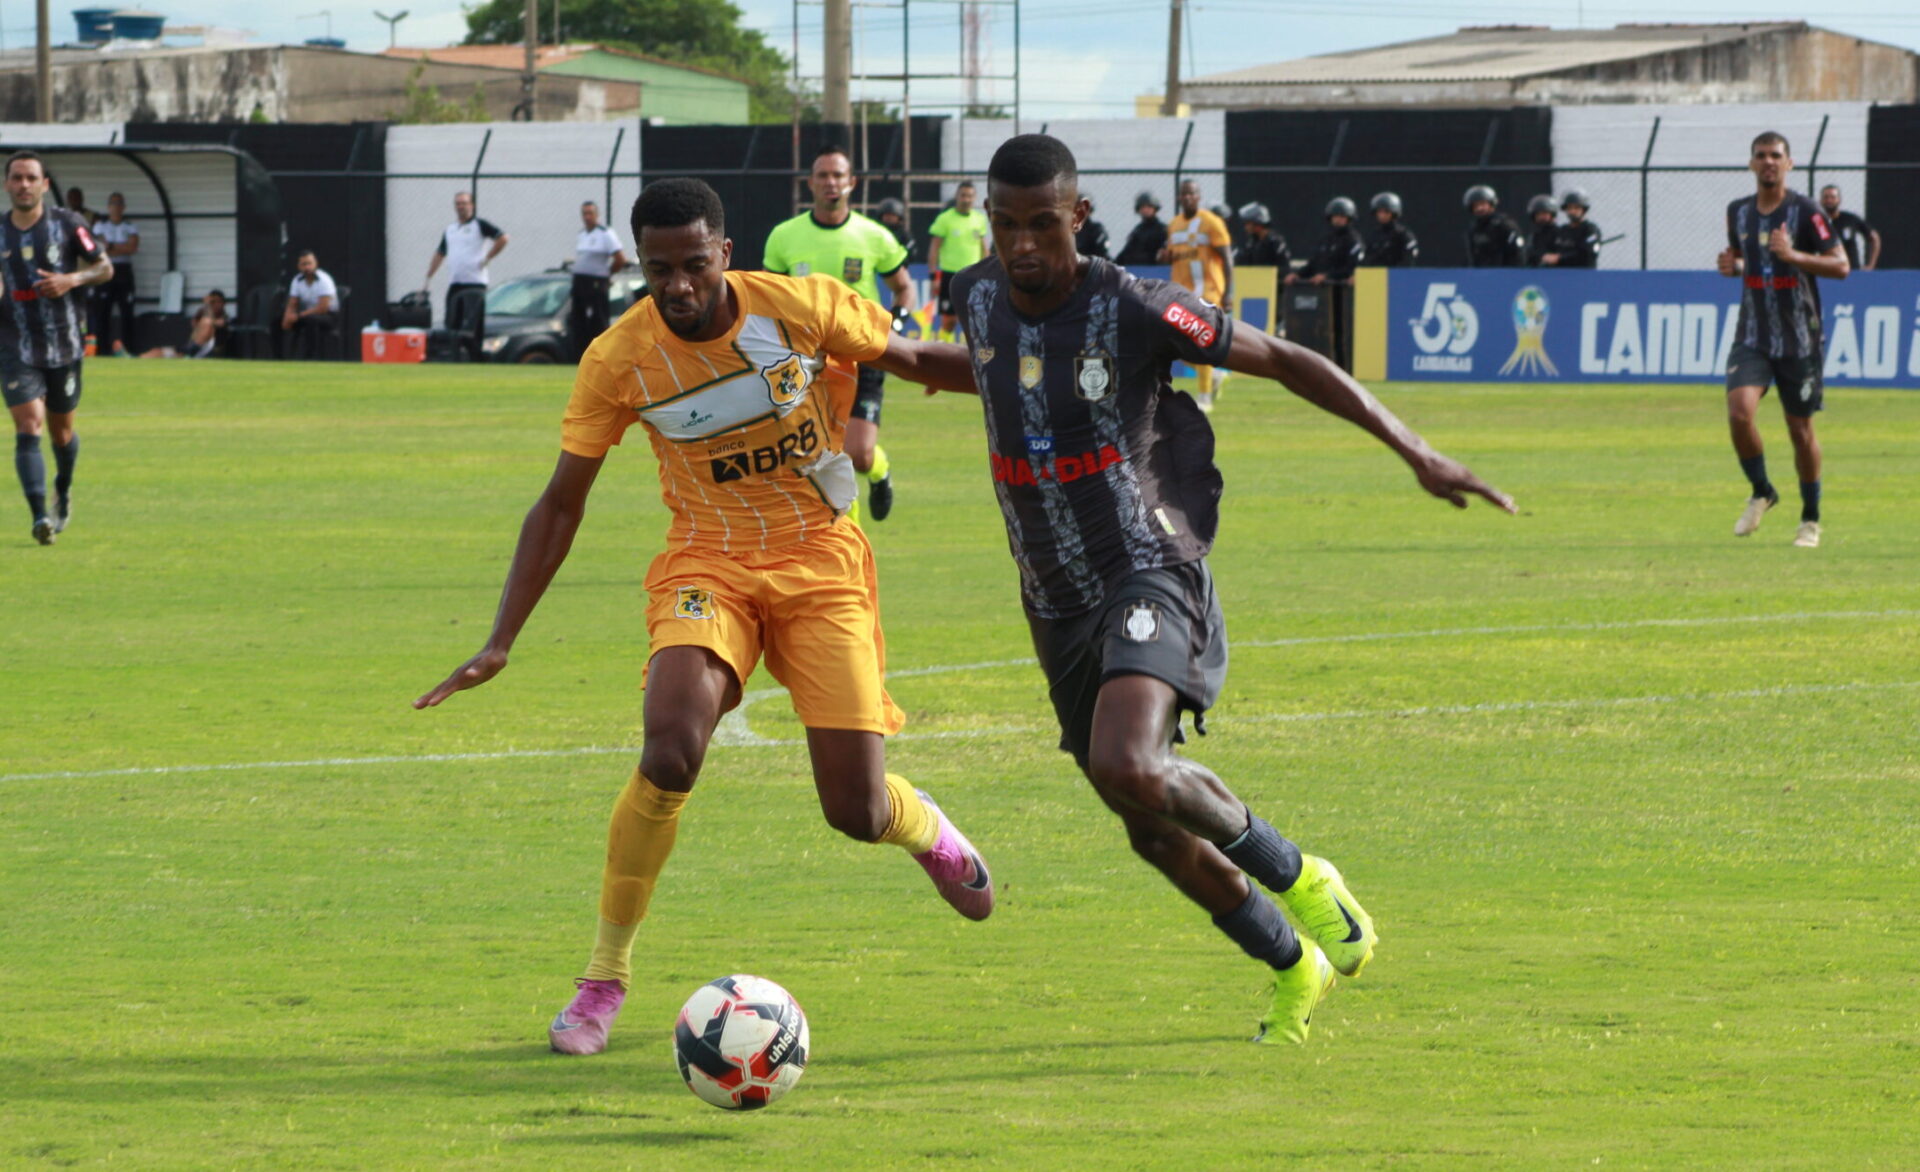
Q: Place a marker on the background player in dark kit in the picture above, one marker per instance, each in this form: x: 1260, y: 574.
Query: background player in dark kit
x: 47, y: 253
x: 1778, y: 242
x: 1105, y: 479
x: 1862, y: 240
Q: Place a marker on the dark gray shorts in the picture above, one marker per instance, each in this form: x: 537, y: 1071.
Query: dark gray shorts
x: 1162, y: 623
x: 868, y: 393
x: 21, y: 384
x: 1801, y: 391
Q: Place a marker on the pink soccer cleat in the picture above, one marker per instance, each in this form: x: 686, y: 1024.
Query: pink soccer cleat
x: 581, y: 1028
x: 959, y: 873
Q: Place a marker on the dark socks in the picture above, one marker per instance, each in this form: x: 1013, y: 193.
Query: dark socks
x: 1756, y: 469
x: 1809, y: 500
x: 32, y: 470
x: 1263, y: 854
x: 1258, y: 927
x: 63, y: 460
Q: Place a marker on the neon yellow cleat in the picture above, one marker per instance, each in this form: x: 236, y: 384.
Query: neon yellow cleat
x: 1321, y: 903
x: 1296, y: 991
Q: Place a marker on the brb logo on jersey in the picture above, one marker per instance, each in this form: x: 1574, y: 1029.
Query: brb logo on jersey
x: 1189, y: 323
x: 1448, y: 323
x: 738, y: 465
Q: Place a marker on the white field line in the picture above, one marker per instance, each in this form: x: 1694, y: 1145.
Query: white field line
x: 734, y: 731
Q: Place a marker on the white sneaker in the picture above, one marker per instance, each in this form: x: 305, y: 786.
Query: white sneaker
x: 1205, y: 401
x: 1808, y: 535
x: 1750, y: 516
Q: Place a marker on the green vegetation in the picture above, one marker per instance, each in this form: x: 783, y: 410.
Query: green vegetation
x: 1634, y: 803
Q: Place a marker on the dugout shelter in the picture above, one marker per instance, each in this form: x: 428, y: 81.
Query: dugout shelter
x: 208, y: 213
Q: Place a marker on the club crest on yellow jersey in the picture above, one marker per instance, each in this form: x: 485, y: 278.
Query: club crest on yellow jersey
x: 786, y: 380
x: 695, y: 602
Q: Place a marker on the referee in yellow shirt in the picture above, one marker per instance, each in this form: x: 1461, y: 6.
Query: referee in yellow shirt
x: 834, y: 240
x: 1200, y: 249
x: 959, y: 239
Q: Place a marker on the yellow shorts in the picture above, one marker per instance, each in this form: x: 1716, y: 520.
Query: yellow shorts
x: 812, y: 608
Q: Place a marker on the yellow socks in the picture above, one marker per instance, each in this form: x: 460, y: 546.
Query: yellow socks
x: 639, y: 839
x: 1202, y: 380
x: 911, y: 825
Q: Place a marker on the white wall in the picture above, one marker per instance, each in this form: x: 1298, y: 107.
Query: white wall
x: 568, y: 162
x: 1686, y: 222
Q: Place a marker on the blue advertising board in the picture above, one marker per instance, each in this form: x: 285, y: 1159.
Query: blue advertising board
x: 1543, y: 326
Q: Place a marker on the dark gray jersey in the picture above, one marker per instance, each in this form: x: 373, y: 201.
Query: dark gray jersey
x: 47, y: 332
x: 1101, y: 468
x: 1779, y: 304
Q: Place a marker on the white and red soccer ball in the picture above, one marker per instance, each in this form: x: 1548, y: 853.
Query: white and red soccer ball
x: 741, y: 1042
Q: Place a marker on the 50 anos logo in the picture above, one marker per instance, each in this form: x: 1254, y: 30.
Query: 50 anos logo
x: 1446, y: 330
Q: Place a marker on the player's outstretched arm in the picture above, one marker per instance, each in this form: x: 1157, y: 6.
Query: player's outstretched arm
x: 1326, y: 386
x: 545, y: 538
x: 942, y: 366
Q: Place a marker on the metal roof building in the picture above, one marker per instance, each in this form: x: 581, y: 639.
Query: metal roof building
x: 1527, y: 65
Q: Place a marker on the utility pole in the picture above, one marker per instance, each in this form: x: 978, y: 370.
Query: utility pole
x: 836, y: 106
x: 1170, y: 104
x: 42, y: 66
x: 527, y: 75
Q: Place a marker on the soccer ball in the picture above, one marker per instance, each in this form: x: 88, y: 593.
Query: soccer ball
x: 741, y: 1042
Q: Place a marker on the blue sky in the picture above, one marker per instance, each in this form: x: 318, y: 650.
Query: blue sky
x: 1080, y: 58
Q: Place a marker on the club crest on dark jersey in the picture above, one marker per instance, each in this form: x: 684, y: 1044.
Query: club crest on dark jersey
x: 1030, y: 370
x: 851, y: 268
x: 1093, y: 376
x: 1142, y: 623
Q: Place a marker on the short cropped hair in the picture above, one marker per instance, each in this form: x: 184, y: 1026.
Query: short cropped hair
x: 968, y: 183
x: 24, y: 156
x: 1768, y: 138
x: 833, y: 148
x: 1032, y: 160
x: 675, y: 203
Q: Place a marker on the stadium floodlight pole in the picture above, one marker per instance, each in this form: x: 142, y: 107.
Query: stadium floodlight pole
x: 527, y: 79
x: 42, y: 65
x: 393, y: 23
x: 1170, y: 104
x: 838, y: 69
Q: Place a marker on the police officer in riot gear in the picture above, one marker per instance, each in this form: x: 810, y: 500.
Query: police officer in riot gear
x: 893, y: 215
x: 1149, y: 235
x: 1339, y: 252
x: 1544, y: 241
x: 1493, y: 242
x: 1091, y: 239
x: 1264, y: 246
x: 1579, y: 236
x: 1394, y: 245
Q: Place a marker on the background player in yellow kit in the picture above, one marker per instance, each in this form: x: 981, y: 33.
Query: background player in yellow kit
x: 1200, y: 250
x: 728, y: 374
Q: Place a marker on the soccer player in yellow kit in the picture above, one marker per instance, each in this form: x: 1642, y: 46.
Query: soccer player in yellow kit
x: 728, y: 374
x: 1200, y: 250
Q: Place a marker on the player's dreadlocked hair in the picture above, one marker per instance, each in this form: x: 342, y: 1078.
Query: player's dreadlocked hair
x: 1768, y: 138
x: 1030, y: 160
x: 675, y: 203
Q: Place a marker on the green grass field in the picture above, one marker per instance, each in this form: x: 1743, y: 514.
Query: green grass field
x: 1633, y: 802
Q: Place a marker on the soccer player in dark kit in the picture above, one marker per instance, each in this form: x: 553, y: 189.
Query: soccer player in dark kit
x: 1778, y: 242
x: 48, y: 253
x: 1105, y: 478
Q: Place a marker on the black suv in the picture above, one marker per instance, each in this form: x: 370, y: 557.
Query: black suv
x: 527, y: 316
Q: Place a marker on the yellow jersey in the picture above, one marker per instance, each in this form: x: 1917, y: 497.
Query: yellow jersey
x: 1196, y: 248
x: 747, y: 427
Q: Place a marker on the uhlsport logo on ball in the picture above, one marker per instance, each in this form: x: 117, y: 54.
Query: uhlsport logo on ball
x: 741, y: 1042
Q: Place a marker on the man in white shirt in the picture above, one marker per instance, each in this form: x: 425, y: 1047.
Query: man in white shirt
x: 466, y: 246
x: 313, y: 309
x: 596, y: 257
x: 121, y: 238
